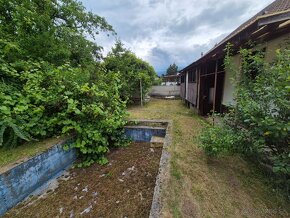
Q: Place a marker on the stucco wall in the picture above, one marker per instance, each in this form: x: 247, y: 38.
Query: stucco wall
x: 271, y: 47
x: 228, y: 94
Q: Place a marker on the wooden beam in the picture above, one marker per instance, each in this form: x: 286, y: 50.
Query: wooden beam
x: 215, y: 85
x: 273, y: 19
x: 285, y: 24
x: 209, y: 74
x: 198, y: 89
x: 196, y: 80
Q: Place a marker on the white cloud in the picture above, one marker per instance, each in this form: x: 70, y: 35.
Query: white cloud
x: 166, y: 31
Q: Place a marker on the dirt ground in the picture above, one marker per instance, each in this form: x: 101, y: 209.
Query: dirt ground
x: 200, y: 186
x: 123, y: 188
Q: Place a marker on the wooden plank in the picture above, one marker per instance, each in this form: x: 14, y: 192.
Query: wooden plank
x: 198, y: 88
x: 215, y: 85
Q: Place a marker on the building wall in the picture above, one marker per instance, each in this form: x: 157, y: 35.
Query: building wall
x: 271, y: 47
x: 168, y: 83
x: 228, y: 94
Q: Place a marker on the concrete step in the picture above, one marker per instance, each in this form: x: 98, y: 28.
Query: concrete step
x: 156, y: 142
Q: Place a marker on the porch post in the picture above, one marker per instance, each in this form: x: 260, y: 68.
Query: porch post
x: 198, y: 87
x: 215, y: 85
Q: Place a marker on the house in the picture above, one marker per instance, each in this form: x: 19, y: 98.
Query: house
x: 206, y: 85
x: 169, y: 80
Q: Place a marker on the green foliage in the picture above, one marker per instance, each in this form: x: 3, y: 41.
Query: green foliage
x: 218, y: 139
x: 157, y: 81
x: 50, y: 30
x: 132, y: 70
x: 258, y: 124
x: 172, y: 69
x: 51, y: 80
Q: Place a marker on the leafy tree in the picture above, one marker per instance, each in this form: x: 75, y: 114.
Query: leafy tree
x: 52, y: 82
x: 132, y: 70
x: 172, y: 69
x: 51, y: 30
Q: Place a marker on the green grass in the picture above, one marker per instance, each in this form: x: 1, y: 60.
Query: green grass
x: 29, y: 149
x: 200, y: 186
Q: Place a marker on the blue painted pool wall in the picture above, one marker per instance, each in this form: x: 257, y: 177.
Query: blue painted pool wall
x: 22, y: 180
x: 144, y: 134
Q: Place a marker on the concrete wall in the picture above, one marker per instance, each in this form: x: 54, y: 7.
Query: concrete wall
x: 22, y: 180
x: 165, y: 91
x: 144, y: 133
x: 26, y: 178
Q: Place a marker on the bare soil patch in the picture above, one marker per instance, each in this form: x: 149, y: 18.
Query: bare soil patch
x: 123, y: 188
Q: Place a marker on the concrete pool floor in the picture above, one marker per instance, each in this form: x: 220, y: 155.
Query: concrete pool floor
x: 123, y: 188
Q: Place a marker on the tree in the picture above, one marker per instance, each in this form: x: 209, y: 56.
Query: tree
x: 52, y: 81
x: 172, y: 69
x: 131, y: 69
x: 51, y: 30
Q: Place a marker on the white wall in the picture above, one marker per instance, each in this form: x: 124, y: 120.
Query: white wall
x: 165, y: 91
x: 229, y: 89
x: 271, y: 46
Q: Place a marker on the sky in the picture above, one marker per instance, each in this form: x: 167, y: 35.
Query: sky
x: 163, y: 32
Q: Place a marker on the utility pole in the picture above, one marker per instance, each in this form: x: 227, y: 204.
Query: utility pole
x: 141, y: 94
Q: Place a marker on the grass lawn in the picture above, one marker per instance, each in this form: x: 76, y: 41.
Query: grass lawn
x: 12, y: 156
x: 199, y: 186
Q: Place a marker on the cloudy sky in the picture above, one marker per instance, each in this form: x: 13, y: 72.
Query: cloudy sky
x: 167, y: 31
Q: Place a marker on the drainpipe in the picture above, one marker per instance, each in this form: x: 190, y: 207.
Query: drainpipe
x: 215, y: 86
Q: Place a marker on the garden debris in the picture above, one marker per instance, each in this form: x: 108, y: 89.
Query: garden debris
x: 85, y: 189
x: 87, y: 210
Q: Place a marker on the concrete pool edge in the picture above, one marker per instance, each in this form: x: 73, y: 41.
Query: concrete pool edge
x: 20, y: 182
x: 27, y: 177
x: 163, y: 171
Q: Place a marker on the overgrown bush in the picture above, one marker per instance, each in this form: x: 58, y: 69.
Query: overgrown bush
x: 52, y: 81
x: 258, y: 124
x: 61, y: 100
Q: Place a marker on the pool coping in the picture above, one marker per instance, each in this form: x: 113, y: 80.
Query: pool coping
x: 163, y: 171
x: 161, y: 178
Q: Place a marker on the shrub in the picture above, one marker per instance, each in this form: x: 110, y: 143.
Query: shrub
x: 258, y: 124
